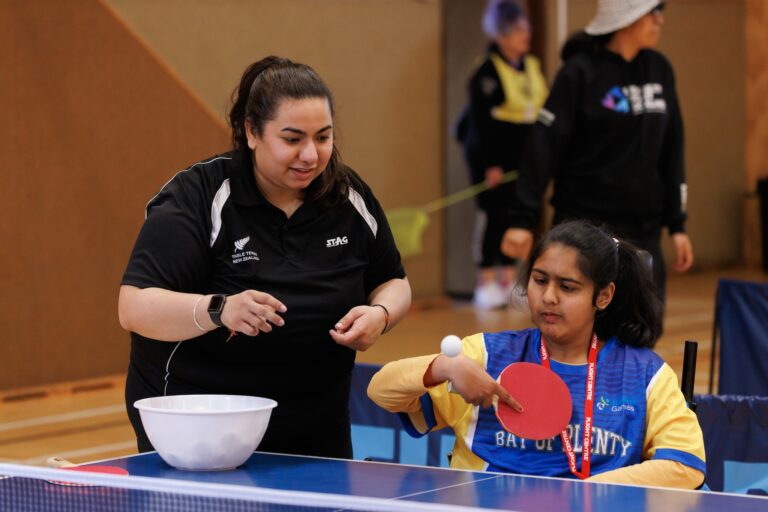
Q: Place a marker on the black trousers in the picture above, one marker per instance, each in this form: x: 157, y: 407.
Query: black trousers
x: 494, y: 203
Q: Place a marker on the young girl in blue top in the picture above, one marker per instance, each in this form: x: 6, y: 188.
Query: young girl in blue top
x: 580, y: 282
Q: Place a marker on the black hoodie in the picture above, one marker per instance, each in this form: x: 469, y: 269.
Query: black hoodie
x: 611, y: 137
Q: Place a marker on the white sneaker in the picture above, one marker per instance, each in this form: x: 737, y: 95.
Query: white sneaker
x: 490, y: 296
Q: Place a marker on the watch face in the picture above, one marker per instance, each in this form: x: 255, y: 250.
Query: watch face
x: 217, y: 302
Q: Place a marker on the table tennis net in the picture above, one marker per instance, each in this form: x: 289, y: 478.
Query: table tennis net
x: 33, y: 489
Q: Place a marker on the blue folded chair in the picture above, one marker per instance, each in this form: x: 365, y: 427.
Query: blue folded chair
x: 741, y: 320
x: 736, y: 442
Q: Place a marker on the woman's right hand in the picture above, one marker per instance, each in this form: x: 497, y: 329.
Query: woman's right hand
x: 469, y: 380
x: 251, y: 312
x: 517, y: 243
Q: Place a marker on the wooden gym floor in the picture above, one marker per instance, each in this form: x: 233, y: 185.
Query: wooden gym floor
x: 86, y: 420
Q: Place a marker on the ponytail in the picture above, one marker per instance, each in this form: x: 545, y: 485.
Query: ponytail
x: 240, y: 97
x: 634, y: 314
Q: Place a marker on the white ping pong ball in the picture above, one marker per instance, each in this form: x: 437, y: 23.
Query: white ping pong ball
x: 451, y: 345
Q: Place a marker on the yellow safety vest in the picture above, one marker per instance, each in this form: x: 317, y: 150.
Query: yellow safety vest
x: 524, y: 91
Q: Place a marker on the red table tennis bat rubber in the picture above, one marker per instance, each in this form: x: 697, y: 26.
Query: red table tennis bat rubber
x: 109, y: 470
x: 546, y: 401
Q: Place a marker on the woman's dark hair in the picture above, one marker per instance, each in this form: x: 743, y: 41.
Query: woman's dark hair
x: 500, y: 16
x: 263, y: 86
x: 634, y: 315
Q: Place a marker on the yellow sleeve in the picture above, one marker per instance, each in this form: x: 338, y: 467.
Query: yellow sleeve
x: 674, y: 444
x: 672, y: 431
x: 399, y: 387
x: 661, y: 473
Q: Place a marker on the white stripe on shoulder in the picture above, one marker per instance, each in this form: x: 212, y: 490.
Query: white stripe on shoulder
x: 219, y: 200
x: 653, y: 380
x: 146, y: 208
x: 359, y: 203
x: 472, y: 427
x: 211, y: 160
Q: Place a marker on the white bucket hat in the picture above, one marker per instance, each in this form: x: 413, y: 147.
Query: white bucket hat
x: 613, y: 15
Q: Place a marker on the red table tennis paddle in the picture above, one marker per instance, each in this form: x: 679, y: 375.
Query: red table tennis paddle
x: 545, y: 398
x: 109, y: 470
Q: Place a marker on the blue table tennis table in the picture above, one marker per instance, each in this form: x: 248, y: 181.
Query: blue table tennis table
x: 269, y: 482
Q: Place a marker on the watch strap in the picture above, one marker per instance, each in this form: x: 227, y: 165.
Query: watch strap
x: 215, y: 307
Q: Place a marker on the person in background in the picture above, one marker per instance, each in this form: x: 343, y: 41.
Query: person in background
x: 505, y: 94
x: 593, y: 301
x: 262, y: 271
x: 610, y: 137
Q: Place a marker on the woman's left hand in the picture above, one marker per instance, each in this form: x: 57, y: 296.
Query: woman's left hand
x: 683, y: 252
x: 360, y: 328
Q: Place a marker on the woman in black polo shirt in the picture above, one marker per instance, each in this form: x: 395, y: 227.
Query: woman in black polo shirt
x: 261, y: 271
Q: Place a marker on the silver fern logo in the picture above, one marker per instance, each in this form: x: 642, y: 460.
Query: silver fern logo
x: 240, y: 244
x: 241, y: 254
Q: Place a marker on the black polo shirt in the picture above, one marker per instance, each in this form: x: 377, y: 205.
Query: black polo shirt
x: 210, y: 230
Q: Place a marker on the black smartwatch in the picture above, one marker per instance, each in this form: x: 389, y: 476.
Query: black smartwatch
x: 215, y: 307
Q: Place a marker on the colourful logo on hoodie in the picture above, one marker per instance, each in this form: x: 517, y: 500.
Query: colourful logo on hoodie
x: 616, y: 101
x: 636, y: 99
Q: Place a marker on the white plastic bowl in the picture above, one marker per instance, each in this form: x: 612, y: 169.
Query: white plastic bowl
x: 205, y: 432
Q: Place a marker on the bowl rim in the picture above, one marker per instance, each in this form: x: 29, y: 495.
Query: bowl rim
x: 270, y: 404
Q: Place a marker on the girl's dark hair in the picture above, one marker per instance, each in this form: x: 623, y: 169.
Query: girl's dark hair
x: 263, y: 86
x: 635, y: 313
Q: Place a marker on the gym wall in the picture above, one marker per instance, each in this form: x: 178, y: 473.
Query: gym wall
x: 93, y: 127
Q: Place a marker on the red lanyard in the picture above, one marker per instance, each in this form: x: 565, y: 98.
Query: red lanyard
x: 589, y: 401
